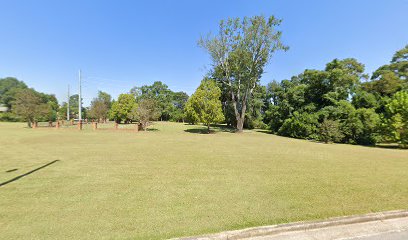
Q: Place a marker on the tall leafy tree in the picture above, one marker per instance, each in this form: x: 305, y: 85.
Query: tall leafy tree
x: 190, y: 114
x: 8, y: 89
x: 29, y: 105
x: 397, y: 109
x: 123, y: 108
x: 239, y: 53
x: 160, y: 93
x: 179, y: 100
x: 105, y: 97
x: 74, y: 107
x: 100, y: 106
x: 147, y: 111
x: 206, y: 103
x: 390, y: 78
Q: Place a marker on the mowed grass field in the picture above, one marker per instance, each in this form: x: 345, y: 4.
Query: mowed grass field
x: 173, y: 181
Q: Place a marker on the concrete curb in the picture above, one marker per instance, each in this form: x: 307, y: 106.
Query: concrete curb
x: 299, y: 226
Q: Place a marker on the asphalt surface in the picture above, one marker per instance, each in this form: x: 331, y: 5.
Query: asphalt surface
x: 391, y: 229
x: 386, y: 236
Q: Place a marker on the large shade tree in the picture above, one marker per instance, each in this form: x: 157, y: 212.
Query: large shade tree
x: 100, y: 106
x: 239, y: 54
x: 147, y: 111
x: 160, y: 93
x: 124, y: 108
x: 8, y: 89
x: 390, y: 78
x: 29, y: 105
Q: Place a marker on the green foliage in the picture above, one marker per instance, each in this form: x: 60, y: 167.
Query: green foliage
x: 329, y: 131
x: 73, y: 108
x: 169, y: 103
x: 316, y: 105
x: 391, y: 78
x: 206, y: 104
x: 147, y: 111
x: 123, y: 109
x: 364, y: 99
x: 337, y: 82
x: 9, y: 117
x: 8, y: 89
x: 100, y: 106
x: 179, y: 100
x: 254, y: 114
x: 190, y: 113
x: 300, y: 125
x: 386, y: 83
x: 239, y: 53
x: 369, y: 133
x: 29, y: 105
x: 397, y: 108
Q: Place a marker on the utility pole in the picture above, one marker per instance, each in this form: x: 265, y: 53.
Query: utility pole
x: 79, y: 99
x: 68, y: 105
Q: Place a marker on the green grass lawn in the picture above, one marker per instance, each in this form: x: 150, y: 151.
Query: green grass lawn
x: 173, y: 181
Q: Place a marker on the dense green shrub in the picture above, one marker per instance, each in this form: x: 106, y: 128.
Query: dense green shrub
x: 300, y: 125
x: 329, y: 131
x: 9, y: 117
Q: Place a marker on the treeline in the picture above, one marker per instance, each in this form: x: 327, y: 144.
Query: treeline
x: 141, y: 104
x: 21, y: 103
x: 340, y: 103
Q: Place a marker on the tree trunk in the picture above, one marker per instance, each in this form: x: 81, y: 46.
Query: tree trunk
x: 240, y: 124
x: 208, y: 128
x: 240, y: 117
x: 29, y: 123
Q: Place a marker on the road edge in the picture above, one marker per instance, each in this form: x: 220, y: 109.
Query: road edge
x: 299, y: 226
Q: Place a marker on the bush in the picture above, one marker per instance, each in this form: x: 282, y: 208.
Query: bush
x: 397, y: 109
x: 300, y: 125
x: 329, y: 131
x: 361, y: 127
x: 9, y: 117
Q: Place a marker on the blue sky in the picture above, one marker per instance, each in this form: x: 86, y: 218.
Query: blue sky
x: 121, y: 44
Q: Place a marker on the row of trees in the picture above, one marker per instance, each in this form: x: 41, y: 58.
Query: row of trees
x: 26, y: 103
x: 145, y: 103
x: 340, y: 103
x: 148, y: 103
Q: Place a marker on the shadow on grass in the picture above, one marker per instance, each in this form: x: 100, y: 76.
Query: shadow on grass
x: 389, y: 146
x: 199, y: 131
x: 152, y: 130
x: 379, y: 145
x: 27, y: 173
x: 264, y: 131
x: 213, y: 129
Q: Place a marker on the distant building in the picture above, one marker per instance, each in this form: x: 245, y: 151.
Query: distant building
x: 3, y: 108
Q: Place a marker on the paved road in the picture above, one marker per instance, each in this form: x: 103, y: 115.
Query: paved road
x: 386, y: 236
x: 391, y: 229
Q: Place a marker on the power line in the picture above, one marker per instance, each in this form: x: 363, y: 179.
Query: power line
x: 106, y: 79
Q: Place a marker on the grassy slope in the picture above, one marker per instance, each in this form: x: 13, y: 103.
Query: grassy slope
x: 167, y: 183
